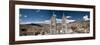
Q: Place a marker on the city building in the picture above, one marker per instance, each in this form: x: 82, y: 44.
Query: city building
x: 53, y: 26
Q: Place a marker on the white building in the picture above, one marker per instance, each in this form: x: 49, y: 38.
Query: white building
x: 53, y: 25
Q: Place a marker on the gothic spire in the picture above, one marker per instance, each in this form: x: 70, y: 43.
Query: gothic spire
x: 54, y: 14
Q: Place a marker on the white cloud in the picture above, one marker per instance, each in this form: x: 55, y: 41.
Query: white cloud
x: 68, y: 16
x: 85, y: 18
x: 58, y: 20
x: 36, y: 22
x: 25, y: 22
x: 47, y: 21
x: 25, y: 16
x: 68, y: 21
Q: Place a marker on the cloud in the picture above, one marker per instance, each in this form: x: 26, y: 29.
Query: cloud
x: 35, y: 22
x: 25, y: 16
x: 85, y: 17
x: 68, y: 16
x: 68, y: 21
x: 25, y: 22
x: 58, y: 20
x: 47, y: 21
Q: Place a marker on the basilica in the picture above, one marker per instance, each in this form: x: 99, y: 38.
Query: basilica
x: 58, y: 28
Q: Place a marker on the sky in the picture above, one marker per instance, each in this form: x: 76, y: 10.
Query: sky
x: 43, y: 15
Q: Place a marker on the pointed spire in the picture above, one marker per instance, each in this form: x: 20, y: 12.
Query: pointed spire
x: 54, y: 14
x: 63, y: 14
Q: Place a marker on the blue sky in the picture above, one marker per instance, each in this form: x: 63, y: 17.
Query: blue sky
x: 38, y: 15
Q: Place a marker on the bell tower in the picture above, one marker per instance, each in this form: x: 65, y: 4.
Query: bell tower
x: 64, y: 24
x: 53, y: 25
